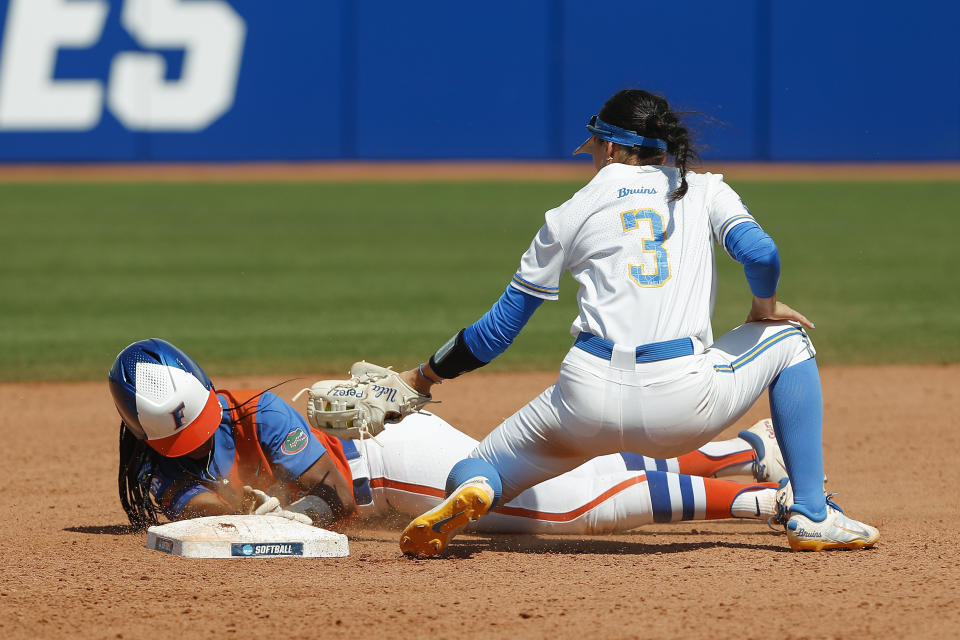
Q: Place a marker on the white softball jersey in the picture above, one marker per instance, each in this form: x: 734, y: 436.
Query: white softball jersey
x: 645, y: 266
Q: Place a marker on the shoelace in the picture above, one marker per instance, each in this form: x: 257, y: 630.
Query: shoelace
x: 831, y: 503
x: 782, y: 515
x: 781, y: 511
x: 780, y: 518
x: 364, y: 432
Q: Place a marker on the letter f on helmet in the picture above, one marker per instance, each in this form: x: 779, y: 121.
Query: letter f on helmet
x: 178, y: 415
x: 153, y: 381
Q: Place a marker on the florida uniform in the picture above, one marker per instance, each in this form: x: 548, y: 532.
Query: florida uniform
x: 261, y: 442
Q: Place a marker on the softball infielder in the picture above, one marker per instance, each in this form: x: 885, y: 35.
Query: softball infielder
x: 188, y: 450
x: 644, y: 373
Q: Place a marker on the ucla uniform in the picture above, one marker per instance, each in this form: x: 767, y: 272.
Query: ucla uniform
x: 644, y: 373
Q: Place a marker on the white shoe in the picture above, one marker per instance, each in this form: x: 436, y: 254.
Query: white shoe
x: 768, y: 467
x: 836, y: 531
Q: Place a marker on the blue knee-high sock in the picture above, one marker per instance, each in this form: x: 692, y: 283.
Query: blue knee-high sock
x: 796, y: 406
x: 471, y: 468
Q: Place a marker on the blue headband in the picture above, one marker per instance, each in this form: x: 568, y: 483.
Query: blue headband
x: 625, y: 137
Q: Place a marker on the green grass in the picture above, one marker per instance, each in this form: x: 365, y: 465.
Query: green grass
x: 290, y: 278
x: 874, y: 265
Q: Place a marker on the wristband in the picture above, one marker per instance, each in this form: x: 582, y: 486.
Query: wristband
x: 454, y: 358
x: 425, y: 376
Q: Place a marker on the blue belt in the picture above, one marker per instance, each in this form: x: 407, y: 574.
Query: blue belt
x: 652, y: 352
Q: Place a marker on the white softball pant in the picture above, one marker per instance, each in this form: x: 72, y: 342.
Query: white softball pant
x: 660, y: 409
x: 408, y: 474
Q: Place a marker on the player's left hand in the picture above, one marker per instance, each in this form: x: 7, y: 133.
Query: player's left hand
x: 773, y: 309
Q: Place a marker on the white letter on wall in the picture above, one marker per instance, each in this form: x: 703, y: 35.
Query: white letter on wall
x: 30, y: 98
x: 211, y: 35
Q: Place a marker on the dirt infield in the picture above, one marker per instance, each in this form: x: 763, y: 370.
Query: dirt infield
x: 70, y: 569
x: 451, y: 170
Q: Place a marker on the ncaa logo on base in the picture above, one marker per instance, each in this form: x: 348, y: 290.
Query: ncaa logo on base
x: 267, y: 549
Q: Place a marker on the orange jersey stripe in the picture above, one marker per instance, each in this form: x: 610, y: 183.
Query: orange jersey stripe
x: 387, y: 483
x: 576, y: 513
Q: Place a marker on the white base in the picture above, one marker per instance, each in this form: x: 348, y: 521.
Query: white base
x: 246, y: 537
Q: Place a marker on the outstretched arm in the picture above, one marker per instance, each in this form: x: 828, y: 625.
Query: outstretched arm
x: 478, y: 344
x: 205, y: 504
x: 329, y: 497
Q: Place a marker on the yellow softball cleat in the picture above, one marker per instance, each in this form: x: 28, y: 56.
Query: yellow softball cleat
x: 430, y: 533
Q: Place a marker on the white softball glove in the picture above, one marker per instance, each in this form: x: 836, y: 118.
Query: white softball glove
x: 359, y: 407
x: 258, y: 503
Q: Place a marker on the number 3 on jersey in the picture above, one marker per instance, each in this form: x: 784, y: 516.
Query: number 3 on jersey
x: 656, y: 269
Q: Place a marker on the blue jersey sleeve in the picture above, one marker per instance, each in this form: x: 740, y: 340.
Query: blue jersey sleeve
x: 285, y: 438
x: 490, y: 336
x: 755, y: 250
x: 172, y: 487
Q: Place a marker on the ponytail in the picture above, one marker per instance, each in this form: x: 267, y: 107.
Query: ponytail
x: 650, y: 115
x: 680, y: 147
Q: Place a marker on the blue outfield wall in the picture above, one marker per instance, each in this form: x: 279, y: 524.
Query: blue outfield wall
x: 219, y: 80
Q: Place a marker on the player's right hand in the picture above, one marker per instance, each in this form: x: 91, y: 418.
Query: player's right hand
x: 258, y: 503
x: 772, y: 309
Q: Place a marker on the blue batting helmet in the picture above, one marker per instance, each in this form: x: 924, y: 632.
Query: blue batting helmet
x: 164, y: 397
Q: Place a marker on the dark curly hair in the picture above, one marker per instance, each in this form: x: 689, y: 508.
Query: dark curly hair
x: 133, y: 479
x: 650, y: 115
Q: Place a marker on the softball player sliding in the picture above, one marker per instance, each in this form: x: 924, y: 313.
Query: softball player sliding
x: 189, y: 450
x: 644, y: 373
